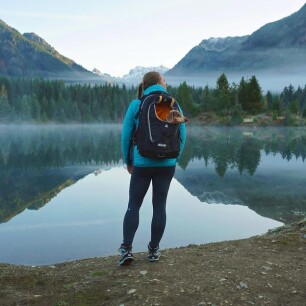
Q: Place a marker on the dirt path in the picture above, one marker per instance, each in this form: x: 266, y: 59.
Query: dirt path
x: 262, y: 270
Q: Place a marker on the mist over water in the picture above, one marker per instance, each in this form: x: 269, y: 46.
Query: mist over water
x: 64, y: 189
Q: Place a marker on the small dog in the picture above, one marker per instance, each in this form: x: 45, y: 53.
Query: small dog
x: 175, y: 116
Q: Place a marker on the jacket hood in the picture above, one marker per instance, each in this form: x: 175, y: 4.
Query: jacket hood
x: 155, y: 87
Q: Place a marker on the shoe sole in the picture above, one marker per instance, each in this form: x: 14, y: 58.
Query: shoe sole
x: 153, y: 259
x: 127, y: 261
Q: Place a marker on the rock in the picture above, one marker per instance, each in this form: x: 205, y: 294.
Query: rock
x: 222, y: 280
x: 131, y: 291
x: 143, y: 272
x: 243, y: 285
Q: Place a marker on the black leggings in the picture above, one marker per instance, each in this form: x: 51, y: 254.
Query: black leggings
x: 140, y: 181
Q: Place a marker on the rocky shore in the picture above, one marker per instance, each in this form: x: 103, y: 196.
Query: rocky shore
x: 263, y: 270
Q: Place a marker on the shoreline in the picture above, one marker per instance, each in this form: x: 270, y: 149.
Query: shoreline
x: 265, y: 269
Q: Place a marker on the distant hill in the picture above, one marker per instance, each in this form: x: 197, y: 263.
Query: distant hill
x: 277, y: 46
x: 29, y: 55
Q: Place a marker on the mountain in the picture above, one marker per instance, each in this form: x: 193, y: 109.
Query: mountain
x: 135, y: 75
x: 29, y: 55
x: 106, y: 77
x: 276, y: 45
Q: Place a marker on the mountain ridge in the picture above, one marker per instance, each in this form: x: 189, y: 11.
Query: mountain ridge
x: 279, y: 44
x: 29, y: 55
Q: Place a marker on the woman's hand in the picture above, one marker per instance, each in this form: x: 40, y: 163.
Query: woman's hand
x: 130, y: 169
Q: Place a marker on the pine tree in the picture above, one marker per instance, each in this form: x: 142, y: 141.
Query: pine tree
x: 184, y: 98
x: 255, y: 96
x: 243, y: 94
x: 223, y: 95
x: 5, y: 108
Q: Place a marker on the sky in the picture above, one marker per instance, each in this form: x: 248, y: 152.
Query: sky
x: 115, y: 36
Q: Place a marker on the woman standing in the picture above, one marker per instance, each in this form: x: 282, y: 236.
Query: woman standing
x: 143, y: 170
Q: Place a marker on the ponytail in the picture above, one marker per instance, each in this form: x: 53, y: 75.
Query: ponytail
x: 149, y: 79
x: 140, y: 90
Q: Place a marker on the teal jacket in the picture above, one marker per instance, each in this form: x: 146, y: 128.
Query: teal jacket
x: 128, y: 124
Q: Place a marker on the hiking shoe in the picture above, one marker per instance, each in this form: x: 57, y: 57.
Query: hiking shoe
x: 153, y: 253
x: 126, y: 255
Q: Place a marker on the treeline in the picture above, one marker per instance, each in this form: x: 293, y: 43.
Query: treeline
x: 43, y: 100
x: 234, y: 101
x: 40, y: 100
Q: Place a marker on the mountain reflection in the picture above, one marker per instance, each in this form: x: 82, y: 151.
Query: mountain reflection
x: 37, y: 162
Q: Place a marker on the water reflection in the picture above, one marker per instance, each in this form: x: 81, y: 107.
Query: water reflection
x: 38, y: 162
x: 77, y: 171
x: 263, y: 169
x: 85, y: 220
x: 240, y: 148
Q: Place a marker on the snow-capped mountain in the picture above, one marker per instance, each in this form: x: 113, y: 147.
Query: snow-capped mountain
x: 132, y: 78
x: 135, y: 75
x: 106, y: 77
x: 221, y: 44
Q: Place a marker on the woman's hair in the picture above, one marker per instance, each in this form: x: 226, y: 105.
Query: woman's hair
x: 149, y: 79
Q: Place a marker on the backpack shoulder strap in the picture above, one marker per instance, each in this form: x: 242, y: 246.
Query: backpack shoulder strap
x: 144, y: 97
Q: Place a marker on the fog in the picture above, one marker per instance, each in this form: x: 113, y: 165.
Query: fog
x: 274, y: 82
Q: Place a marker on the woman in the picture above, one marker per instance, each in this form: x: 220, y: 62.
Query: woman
x: 143, y: 170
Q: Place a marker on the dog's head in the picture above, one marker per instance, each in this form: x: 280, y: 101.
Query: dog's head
x: 175, y: 116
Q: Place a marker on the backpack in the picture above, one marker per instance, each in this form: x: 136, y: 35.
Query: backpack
x: 157, y: 136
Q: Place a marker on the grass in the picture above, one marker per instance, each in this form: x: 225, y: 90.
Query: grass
x: 98, y: 273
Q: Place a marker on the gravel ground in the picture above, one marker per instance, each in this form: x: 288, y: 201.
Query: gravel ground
x: 261, y: 270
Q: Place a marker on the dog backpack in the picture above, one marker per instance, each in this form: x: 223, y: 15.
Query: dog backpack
x: 157, y: 135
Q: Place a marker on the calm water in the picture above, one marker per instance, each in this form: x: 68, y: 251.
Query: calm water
x: 63, y: 189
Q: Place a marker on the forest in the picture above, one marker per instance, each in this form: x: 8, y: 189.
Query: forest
x: 44, y: 101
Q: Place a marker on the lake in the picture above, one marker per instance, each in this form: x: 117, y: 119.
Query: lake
x: 64, y: 189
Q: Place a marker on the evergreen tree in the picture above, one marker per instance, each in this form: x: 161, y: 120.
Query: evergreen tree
x: 25, y: 111
x: 269, y: 99
x: 255, y: 96
x: 223, y: 95
x: 184, y: 98
x: 276, y: 106
x: 5, y: 108
x: 243, y: 94
x: 294, y: 107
